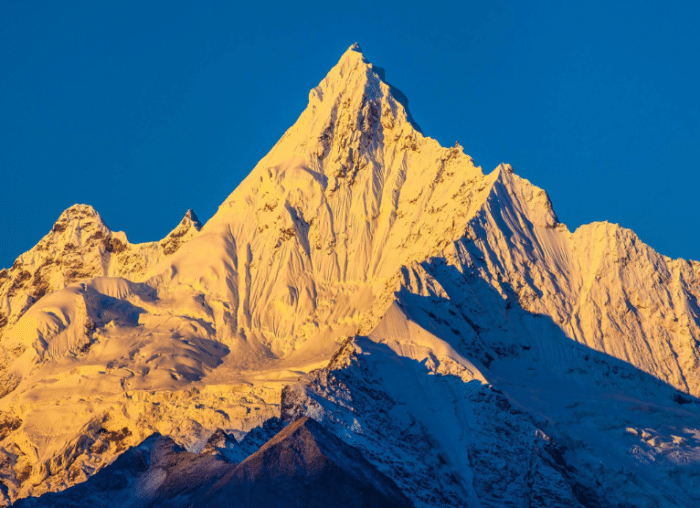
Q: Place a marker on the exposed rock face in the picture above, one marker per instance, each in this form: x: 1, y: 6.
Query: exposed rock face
x: 188, y: 227
x: 507, y: 360
x: 305, y: 466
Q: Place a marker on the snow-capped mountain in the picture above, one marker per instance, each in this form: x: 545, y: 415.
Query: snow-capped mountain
x: 80, y: 246
x: 438, y: 320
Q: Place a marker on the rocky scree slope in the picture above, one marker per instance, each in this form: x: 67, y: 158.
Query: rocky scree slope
x: 581, y: 348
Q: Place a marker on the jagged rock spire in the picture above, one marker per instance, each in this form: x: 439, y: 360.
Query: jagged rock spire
x: 192, y: 217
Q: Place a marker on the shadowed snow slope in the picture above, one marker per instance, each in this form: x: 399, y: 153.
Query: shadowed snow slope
x: 303, y: 465
x: 481, y: 354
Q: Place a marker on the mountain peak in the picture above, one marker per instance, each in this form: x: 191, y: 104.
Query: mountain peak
x: 188, y: 227
x: 355, y: 47
x: 192, y: 218
x: 352, y: 69
x: 354, y: 52
x: 76, y: 219
x: 352, y: 101
x: 79, y: 212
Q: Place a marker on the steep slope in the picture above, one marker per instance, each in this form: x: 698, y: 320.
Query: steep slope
x: 305, y: 248
x: 431, y: 425
x: 464, y: 398
x: 465, y: 296
x: 601, y: 284
x: 305, y: 466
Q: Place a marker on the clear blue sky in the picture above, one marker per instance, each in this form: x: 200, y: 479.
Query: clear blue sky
x: 146, y: 109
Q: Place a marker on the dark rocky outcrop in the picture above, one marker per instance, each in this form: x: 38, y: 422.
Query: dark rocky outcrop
x: 304, y: 465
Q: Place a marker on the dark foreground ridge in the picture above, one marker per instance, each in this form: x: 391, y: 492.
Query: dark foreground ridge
x: 304, y: 465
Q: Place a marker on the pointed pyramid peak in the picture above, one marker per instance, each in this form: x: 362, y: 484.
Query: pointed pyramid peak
x: 351, y: 65
x: 351, y: 85
x: 355, y: 54
x: 191, y: 217
x: 188, y: 227
x: 350, y: 114
x: 533, y: 200
x: 355, y: 47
